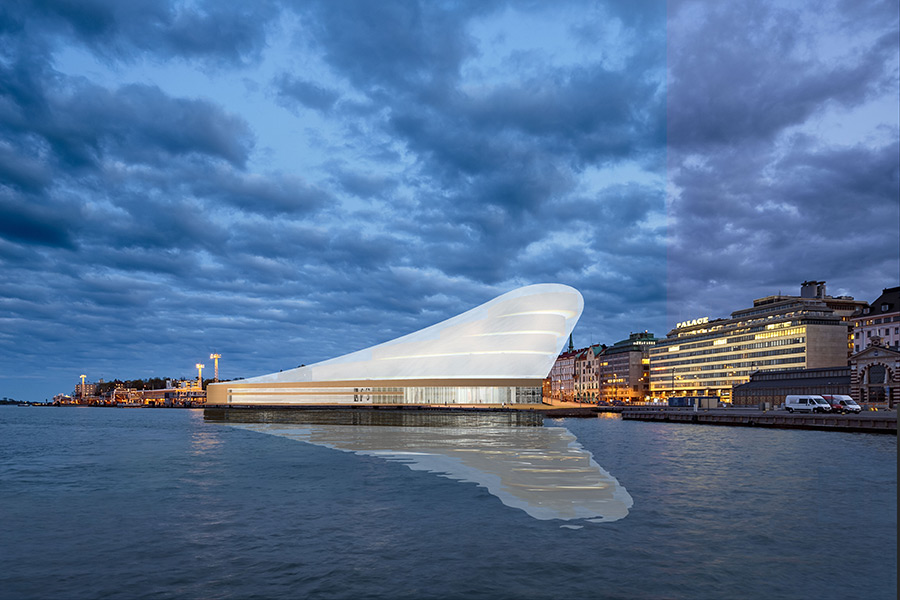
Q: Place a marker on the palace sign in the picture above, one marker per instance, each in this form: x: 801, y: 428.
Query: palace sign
x: 699, y: 321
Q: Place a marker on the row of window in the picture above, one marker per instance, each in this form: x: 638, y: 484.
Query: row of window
x: 880, y: 321
x: 741, y: 334
x: 726, y: 349
x: 878, y: 331
x: 677, y: 379
x: 722, y: 358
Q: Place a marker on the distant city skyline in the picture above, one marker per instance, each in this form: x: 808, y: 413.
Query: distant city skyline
x: 282, y: 183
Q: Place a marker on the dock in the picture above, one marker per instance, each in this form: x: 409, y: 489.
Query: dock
x: 866, y: 422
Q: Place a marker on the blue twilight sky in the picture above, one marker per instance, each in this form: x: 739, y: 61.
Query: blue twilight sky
x: 283, y: 182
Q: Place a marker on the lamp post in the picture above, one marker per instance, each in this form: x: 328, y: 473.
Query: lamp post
x: 615, y: 388
x: 200, y: 375
x: 216, y: 358
x: 82, y: 387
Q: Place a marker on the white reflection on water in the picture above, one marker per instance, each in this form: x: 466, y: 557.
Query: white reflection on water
x: 541, y: 470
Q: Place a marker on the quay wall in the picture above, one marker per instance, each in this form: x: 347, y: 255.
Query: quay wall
x: 885, y: 422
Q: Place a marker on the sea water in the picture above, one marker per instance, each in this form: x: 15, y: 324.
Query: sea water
x: 156, y: 503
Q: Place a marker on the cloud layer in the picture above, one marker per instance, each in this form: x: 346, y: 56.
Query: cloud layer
x: 285, y: 182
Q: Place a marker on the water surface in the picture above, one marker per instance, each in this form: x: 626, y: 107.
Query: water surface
x: 142, y: 503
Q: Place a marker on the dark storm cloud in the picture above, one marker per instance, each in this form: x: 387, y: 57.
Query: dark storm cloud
x: 139, y: 124
x: 270, y: 194
x: 487, y: 165
x: 764, y: 198
x: 211, y: 30
x: 395, y: 44
x: 294, y: 90
x: 425, y: 171
x: 593, y: 113
x: 35, y: 225
x: 362, y: 184
x: 22, y: 172
x: 742, y: 86
x: 83, y: 124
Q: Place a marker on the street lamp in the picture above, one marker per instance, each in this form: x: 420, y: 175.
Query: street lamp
x: 82, y: 387
x: 200, y: 375
x: 615, y: 387
x: 216, y: 358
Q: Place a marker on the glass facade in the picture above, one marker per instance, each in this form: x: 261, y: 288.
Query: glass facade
x: 424, y: 395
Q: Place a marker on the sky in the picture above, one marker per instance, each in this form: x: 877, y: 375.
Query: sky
x: 285, y: 182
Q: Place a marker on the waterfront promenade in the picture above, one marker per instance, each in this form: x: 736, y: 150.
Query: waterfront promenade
x: 866, y: 422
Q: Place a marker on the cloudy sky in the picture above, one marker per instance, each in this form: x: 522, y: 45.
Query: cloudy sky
x: 283, y: 182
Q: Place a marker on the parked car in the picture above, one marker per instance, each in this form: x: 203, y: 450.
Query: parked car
x: 806, y: 403
x: 842, y: 403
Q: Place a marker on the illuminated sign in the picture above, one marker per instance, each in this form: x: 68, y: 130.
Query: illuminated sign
x: 699, y: 321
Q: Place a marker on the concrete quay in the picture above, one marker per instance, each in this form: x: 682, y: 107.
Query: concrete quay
x: 866, y: 422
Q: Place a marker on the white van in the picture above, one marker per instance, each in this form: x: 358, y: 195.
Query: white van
x: 843, y: 403
x: 808, y: 403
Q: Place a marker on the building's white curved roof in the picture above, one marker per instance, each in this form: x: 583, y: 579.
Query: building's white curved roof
x: 515, y: 336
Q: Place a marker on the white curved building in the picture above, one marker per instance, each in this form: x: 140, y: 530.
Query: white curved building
x: 499, y: 352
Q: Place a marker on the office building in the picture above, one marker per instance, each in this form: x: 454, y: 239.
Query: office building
x: 704, y: 357
x: 624, y: 372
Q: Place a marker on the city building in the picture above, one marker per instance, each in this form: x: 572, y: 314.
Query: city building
x: 187, y: 392
x: 84, y: 391
x: 497, y: 353
x: 624, y: 371
x: 880, y: 320
x: 609, y: 373
x: 562, y: 375
x: 875, y: 375
x: 587, y: 369
x: 769, y: 388
x: 704, y: 357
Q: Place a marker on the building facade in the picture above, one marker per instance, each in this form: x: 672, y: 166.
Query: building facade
x: 769, y: 388
x: 706, y: 357
x: 875, y: 376
x: 587, y: 367
x: 562, y: 376
x: 497, y: 353
x: 609, y: 373
x: 879, y: 320
x: 84, y: 391
x: 625, y: 369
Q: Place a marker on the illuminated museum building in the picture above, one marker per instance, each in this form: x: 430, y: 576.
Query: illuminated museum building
x: 497, y: 353
x: 709, y: 357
